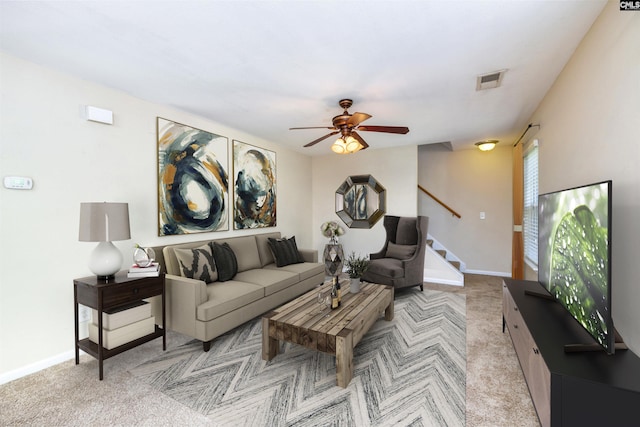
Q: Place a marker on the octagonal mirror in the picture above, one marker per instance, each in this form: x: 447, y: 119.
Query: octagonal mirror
x: 361, y: 201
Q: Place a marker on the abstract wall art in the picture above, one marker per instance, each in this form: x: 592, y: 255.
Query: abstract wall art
x: 193, y: 189
x: 254, y: 174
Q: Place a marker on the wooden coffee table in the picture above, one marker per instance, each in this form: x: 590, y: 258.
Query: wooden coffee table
x: 304, y: 321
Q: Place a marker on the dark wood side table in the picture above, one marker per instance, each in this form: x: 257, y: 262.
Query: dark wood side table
x: 109, y: 294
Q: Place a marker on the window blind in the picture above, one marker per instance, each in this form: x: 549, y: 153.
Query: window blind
x: 530, y: 225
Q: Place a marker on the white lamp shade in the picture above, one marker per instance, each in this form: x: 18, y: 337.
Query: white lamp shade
x: 352, y: 144
x: 346, y: 145
x: 339, y: 146
x: 106, y: 260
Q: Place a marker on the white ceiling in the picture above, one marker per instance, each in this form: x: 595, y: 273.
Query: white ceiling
x: 265, y: 66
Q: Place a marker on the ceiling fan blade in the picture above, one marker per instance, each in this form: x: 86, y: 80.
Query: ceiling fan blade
x: 386, y: 129
x: 360, y: 140
x: 357, y: 118
x: 314, y: 127
x: 314, y: 142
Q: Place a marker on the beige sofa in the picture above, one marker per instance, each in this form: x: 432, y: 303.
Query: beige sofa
x: 207, y: 310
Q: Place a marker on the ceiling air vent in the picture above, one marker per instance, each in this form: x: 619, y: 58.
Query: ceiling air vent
x: 490, y: 80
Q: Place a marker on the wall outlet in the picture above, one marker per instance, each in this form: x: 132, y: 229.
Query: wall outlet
x: 84, y: 313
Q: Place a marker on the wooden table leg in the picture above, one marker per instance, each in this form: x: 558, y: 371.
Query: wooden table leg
x: 344, y: 357
x: 269, y: 345
x: 388, y: 312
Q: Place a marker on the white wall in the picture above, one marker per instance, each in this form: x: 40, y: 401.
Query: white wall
x: 470, y: 182
x: 395, y: 169
x: 590, y: 131
x: 71, y: 160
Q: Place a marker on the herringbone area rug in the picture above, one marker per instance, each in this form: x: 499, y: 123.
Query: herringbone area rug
x: 410, y: 371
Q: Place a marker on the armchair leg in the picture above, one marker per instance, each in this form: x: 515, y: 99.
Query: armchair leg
x: 206, y: 345
x: 421, y: 289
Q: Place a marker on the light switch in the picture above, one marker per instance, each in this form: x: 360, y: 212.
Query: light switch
x: 482, y: 215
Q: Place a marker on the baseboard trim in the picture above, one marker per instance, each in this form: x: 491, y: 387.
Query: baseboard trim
x: 445, y: 282
x: 37, y: 366
x: 489, y: 273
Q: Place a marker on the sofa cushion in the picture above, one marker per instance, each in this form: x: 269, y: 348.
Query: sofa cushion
x: 197, y: 263
x: 262, y: 241
x: 285, y: 251
x: 387, y: 267
x: 271, y: 280
x: 226, y: 261
x: 227, y: 297
x: 246, y: 251
x: 400, y: 251
x: 171, y: 263
x: 305, y: 270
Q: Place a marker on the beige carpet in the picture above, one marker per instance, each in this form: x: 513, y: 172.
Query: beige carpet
x: 497, y: 394
x: 67, y: 394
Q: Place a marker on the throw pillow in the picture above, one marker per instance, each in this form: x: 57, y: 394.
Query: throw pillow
x: 197, y: 263
x: 400, y: 251
x: 285, y: 251
x: 226, y: 261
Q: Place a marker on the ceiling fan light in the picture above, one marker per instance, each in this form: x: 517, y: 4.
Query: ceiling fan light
x: 487, y: 145
x: 345, y: 124
x: 339, y: 147
x: 352, y: 144
x: 358, y: 148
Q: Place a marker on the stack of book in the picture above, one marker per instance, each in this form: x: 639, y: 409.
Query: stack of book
x: 123, y: 324
x: 152, y: 271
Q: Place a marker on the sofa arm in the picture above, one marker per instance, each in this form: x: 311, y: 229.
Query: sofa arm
x: 184, y: 295
x: 309, y: 255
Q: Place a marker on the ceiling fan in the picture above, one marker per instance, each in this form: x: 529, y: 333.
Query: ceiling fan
x: 347, y: 124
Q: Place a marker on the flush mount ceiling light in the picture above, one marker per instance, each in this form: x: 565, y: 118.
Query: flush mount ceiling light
x: 487, y: 145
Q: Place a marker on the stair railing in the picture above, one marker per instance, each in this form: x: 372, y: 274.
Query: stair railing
x: 440, y: 202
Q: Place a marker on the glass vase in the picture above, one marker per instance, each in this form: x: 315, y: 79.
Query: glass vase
x: 143, y: 257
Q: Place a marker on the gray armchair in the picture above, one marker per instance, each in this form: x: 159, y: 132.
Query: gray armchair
x: 400, y: 262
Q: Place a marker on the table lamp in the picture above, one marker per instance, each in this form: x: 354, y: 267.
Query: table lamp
x: 104, y: 222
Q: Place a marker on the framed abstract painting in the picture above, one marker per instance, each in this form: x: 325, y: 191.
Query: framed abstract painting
x: 254, y: 175
x: 193, y: 188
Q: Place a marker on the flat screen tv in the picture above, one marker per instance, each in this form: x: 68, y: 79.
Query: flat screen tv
x: 574, y: 255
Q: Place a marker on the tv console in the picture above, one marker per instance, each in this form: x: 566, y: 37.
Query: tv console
x: 568, y: 388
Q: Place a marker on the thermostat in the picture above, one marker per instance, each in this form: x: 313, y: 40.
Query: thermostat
x: 18, y: 182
